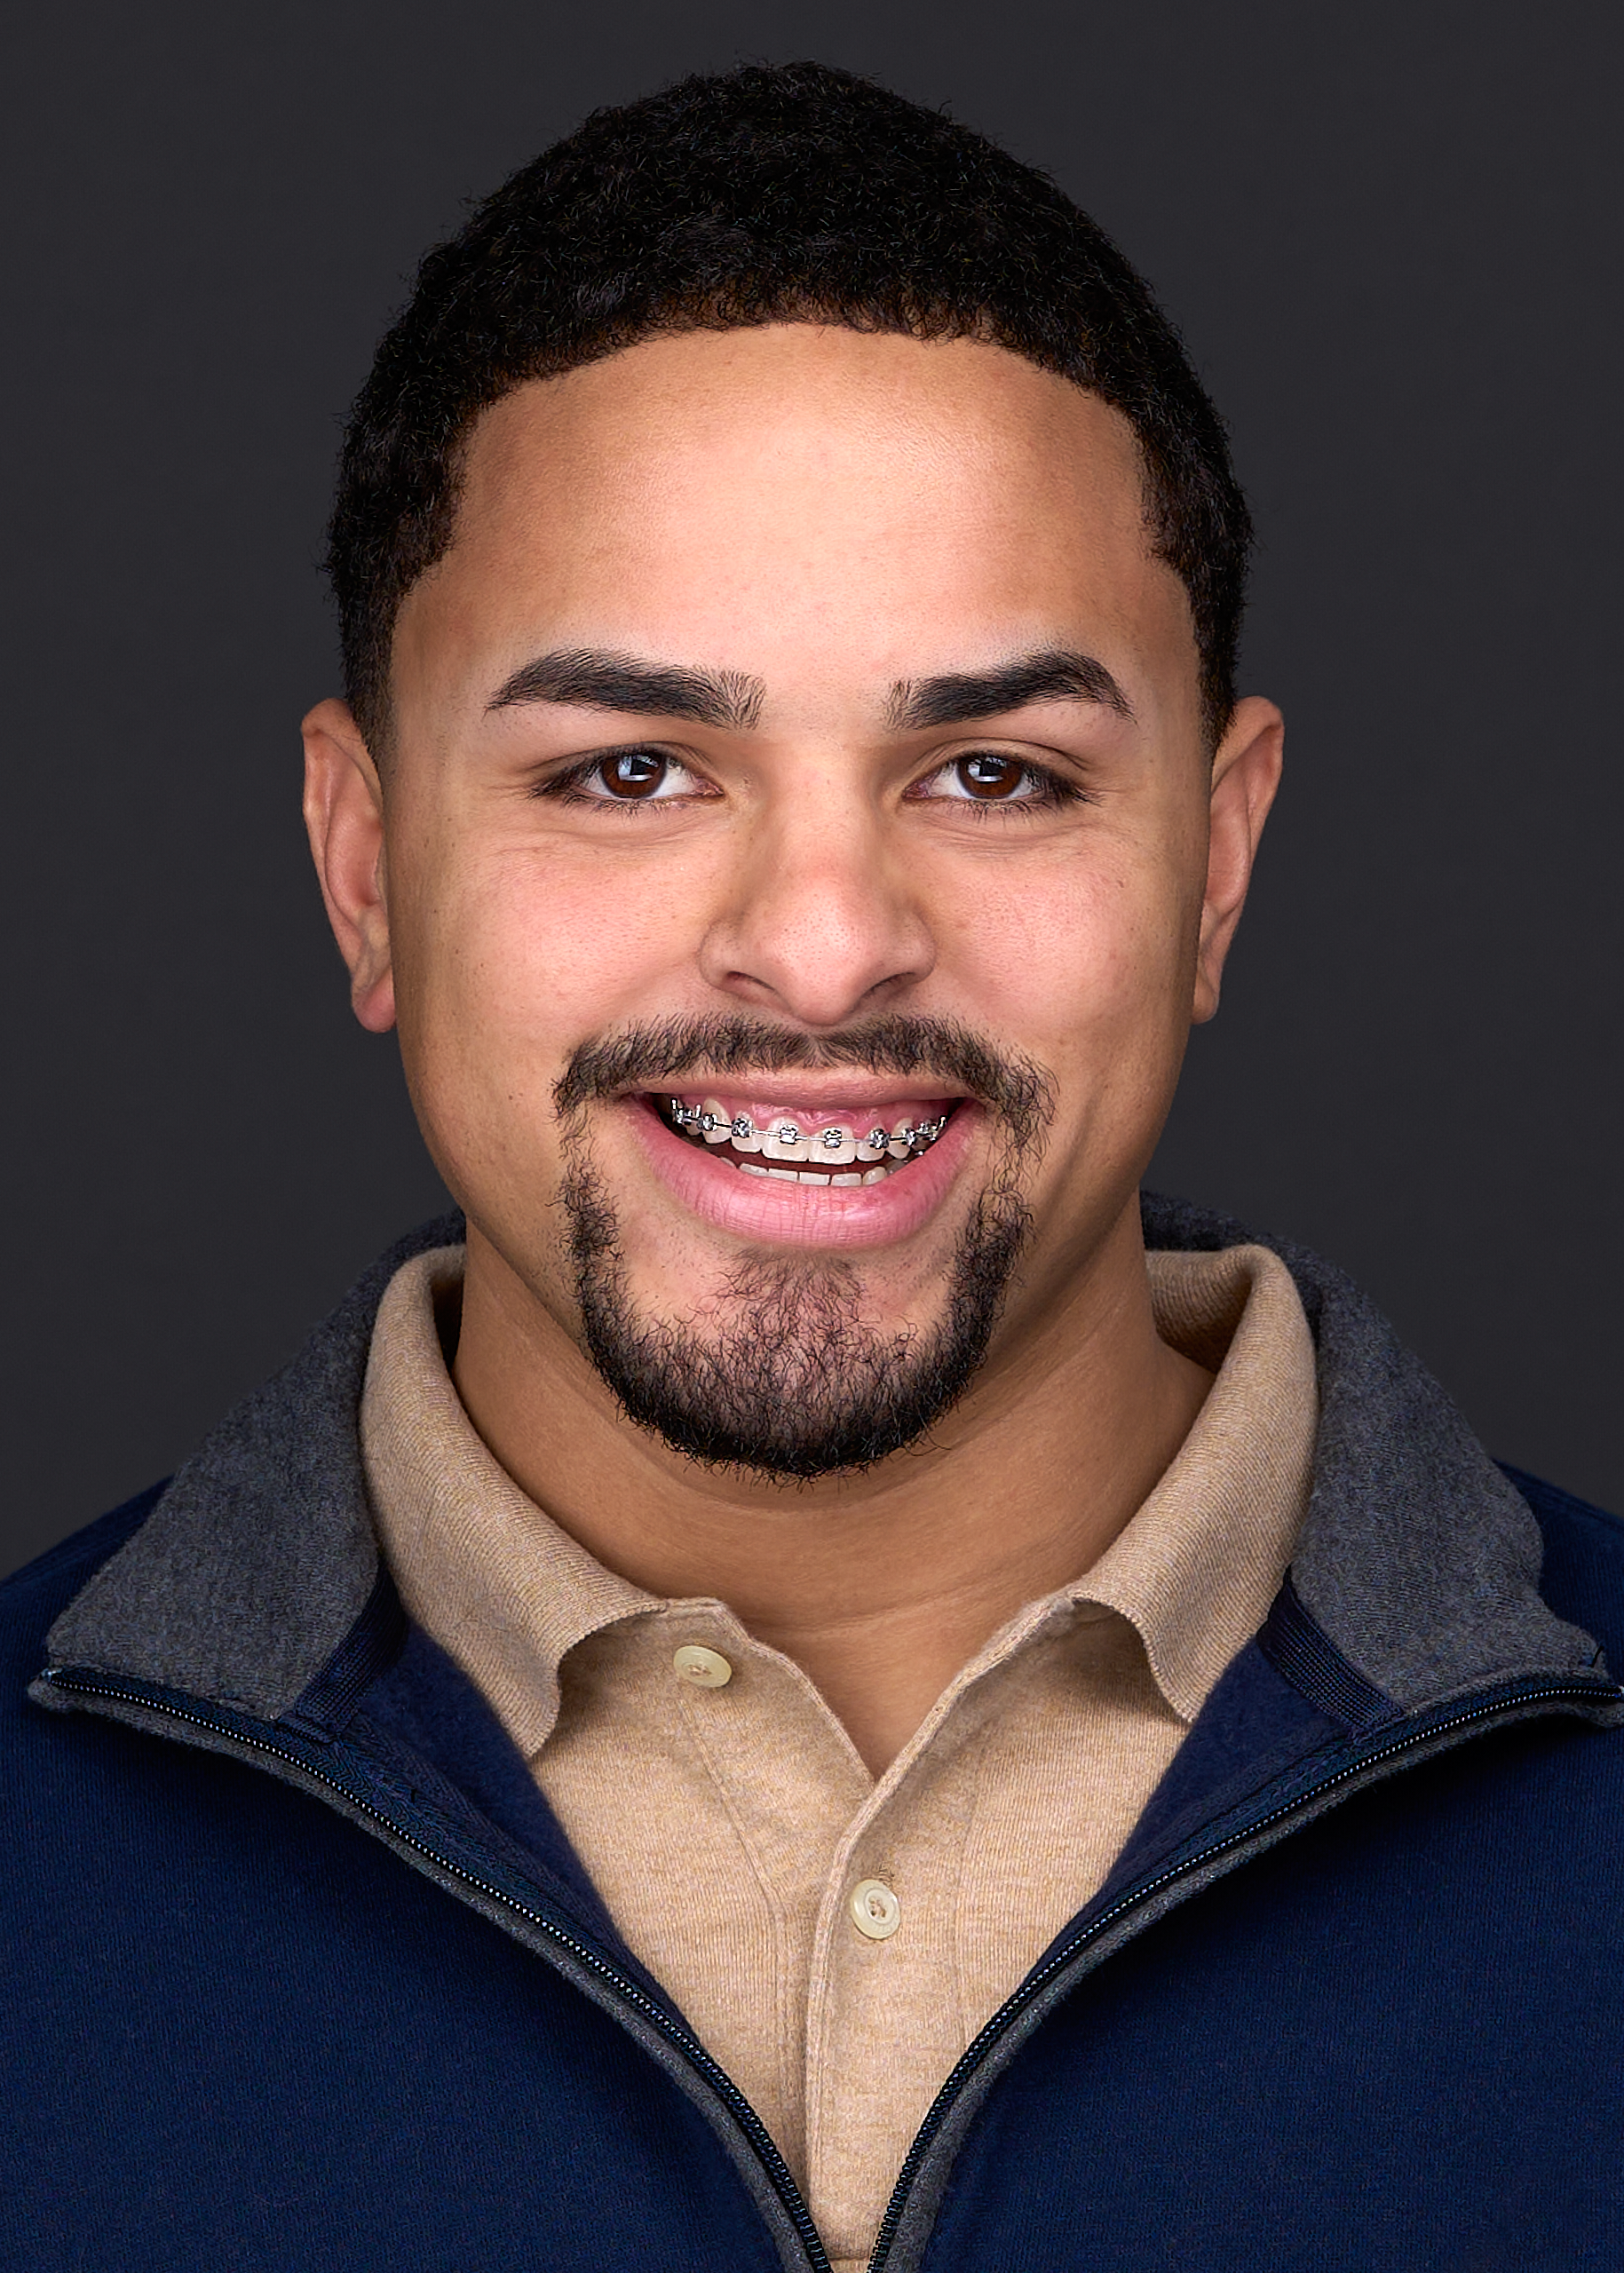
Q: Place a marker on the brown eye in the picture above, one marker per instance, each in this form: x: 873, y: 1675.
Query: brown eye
x: 989, y: 778
x: 633, y: 773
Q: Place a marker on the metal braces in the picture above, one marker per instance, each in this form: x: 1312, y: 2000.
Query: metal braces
x: 916, y: 1136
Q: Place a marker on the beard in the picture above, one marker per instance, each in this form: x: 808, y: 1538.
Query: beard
x: 787, y: 1380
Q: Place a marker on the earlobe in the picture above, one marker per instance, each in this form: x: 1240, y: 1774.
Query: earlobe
x: 1246, y: 773
x: 344, y: 815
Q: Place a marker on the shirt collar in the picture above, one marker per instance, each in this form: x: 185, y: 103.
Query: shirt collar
x: 1196, y: 1567
x: 478, y: 1563
x: 497, y: 1580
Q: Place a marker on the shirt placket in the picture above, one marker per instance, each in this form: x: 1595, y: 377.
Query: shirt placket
x: 788, y: 1781
x: 885, y: 2017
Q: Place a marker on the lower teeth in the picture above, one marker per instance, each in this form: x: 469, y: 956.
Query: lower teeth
x: 809, y: 1175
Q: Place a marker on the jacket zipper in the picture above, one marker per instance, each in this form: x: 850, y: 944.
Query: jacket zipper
x: 694, y: 2052
x: 1238, y: 1841
x: 717, y: 2078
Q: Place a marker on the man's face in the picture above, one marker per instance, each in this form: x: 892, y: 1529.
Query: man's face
x: 797, y: 746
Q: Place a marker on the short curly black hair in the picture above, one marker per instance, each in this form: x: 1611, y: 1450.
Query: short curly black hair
x: 772, y: 194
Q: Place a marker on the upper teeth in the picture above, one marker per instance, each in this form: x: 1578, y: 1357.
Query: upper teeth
x: 786, y: 1140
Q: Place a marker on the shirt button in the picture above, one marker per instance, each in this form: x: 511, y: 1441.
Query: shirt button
x: 705, y: 1668
x: 875, y: 1910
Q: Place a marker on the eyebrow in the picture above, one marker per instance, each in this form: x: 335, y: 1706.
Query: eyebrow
x: 594, y: 680
x: 1049, y: 675
x: 597, y: 680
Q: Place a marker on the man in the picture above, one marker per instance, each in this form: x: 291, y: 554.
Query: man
x: 808, y: 1682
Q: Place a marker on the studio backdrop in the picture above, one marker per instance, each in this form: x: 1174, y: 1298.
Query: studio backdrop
x: 1390, y: 236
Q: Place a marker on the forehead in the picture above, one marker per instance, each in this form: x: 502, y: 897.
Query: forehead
x: 747, y: 498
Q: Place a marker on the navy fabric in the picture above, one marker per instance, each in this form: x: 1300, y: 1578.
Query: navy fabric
x: 427, y: 1711
x: 1257, y: 1727
x: 1387, y: 2044
x: 428, y: 1706
x: 239, y: 2033
x: 241, y: 2036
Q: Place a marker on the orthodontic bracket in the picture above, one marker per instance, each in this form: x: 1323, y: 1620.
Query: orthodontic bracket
x: 914, y: 1135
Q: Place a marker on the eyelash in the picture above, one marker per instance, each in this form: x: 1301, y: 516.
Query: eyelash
x: 566, y: 786
x: 1053, y: 790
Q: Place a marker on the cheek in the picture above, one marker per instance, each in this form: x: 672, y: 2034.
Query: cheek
x: 508, y: 963
x: 1071, y: 963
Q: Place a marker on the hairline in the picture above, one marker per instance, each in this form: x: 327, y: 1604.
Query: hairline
x: 448, y: 502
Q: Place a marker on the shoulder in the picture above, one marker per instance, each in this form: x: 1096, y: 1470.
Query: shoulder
x: 1582, y: 1574
x: 31, y: 1598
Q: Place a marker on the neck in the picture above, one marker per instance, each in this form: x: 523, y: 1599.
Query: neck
x: 880, y: 1585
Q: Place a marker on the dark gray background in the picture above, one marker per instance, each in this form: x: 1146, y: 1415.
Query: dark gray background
x: 1391, y: 234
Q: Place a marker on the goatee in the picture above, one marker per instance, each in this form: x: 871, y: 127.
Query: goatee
x: 787, y: 1380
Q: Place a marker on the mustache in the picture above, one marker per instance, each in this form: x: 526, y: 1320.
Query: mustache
x: 1012, y: 1087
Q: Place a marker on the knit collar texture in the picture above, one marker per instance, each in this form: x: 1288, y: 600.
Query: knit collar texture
x: 1417, y: 1558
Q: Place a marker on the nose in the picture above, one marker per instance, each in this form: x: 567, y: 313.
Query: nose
x: 819, y: 923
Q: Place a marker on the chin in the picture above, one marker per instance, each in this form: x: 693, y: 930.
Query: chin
x: 786, y: 1369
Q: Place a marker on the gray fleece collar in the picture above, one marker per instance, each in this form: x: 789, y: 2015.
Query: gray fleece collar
x: 1417, y: 1559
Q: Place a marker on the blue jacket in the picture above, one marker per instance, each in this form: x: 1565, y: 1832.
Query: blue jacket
x: 301, y: 1975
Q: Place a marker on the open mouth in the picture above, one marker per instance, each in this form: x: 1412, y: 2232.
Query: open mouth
x: 801, y: 1149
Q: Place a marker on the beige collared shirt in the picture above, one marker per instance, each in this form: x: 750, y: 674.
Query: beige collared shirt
x: 729, y: 1828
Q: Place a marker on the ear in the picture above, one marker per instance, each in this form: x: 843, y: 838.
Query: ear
x: 1246, y: 773
x: 344, y: 813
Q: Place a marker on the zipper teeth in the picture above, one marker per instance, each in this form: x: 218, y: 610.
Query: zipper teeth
x: 982, y: 2043
x: 692, y: 2050
x: 717, y: 2078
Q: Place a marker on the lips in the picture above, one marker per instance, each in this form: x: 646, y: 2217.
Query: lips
x: 778, y: 1197
x: 843, y: 1148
